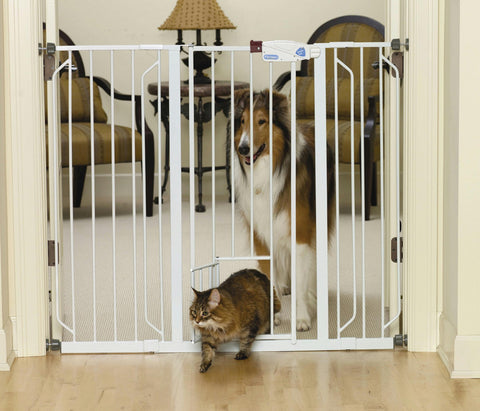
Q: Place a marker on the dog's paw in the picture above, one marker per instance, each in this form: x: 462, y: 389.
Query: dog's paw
x: 303, y: 324
x: 204, y: 366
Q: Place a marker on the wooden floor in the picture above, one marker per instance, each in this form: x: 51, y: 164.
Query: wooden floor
x: 270, y: 381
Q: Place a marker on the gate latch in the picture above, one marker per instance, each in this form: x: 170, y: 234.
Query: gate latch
x: 284, y: 50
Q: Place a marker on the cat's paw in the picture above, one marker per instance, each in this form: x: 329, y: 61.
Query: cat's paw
x: 241, y: 355
x: 204, y: 366
x: 303, y: 324
x: 276, y: 319
x: 284, y: 290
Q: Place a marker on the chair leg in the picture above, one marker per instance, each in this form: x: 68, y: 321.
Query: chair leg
x: 149, y: 171
x: 373, y: 200
x: 368, y: 176
x: 79, y: 173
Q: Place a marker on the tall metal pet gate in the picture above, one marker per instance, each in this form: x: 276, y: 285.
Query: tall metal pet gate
x: 123, y: 280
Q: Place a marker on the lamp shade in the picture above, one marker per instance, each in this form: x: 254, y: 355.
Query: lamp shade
x: 197, y: 15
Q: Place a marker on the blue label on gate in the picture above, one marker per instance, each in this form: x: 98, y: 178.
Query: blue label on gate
x: 270, y: 56
x: 300, y: 52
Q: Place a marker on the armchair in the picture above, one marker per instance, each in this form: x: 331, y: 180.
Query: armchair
x: 102, y: 131
x: 346, y: 28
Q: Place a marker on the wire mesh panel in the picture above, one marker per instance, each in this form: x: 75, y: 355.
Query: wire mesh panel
x: 286, y: 204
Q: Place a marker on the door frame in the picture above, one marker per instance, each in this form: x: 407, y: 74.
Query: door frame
x: 28, y: 226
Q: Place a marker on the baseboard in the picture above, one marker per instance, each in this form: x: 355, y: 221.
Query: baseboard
x: 446, y: 348
x: 460, y: 354
x: 466, y: 357
x: 7, y: 354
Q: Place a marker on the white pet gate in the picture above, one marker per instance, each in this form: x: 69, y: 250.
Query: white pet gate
x: 122, y: 283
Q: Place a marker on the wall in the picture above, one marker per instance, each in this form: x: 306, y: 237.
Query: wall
x: 460, y: 328
x: 126, y: 22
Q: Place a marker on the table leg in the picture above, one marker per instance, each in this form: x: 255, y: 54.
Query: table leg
x: 200, y: 208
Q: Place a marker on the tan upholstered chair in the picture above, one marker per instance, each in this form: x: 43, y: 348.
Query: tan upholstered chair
x: 81, y: 158
x: 346, y: 28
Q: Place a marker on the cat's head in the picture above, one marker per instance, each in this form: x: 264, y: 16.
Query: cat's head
x: 203, y: 311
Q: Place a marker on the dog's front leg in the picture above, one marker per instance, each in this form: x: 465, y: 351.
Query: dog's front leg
x: 305, y: 268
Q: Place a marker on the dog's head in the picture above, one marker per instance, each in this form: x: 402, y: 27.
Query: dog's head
x: 252, y: 147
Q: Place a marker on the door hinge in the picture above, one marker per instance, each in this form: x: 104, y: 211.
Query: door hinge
x: 51, y: 253
x: 394, y: 249
x: 48, y: 59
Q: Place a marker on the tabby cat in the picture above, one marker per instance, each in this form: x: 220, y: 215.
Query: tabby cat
x: 237, y: 308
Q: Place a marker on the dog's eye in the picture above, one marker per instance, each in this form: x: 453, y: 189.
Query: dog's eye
x: 262, y: 121
x: 243, y: 121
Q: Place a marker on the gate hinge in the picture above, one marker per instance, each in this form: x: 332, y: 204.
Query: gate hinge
x: 51, y: 253
x: 48, y: 59
x: 400, y: 340
x: 394, y: 249
x: 397, y: 61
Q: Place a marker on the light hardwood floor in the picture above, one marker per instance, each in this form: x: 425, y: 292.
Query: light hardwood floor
x: 266, y: 381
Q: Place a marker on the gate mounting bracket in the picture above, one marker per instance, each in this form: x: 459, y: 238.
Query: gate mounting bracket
x: 48, y: 59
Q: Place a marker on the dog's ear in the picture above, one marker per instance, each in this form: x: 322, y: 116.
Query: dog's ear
x: 281, y: 110
x: 241, y: 100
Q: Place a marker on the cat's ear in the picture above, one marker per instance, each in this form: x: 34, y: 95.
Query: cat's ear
x: 214, y: 299
x: 195, y: 291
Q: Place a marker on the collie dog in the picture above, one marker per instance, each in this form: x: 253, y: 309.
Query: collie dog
x: 253, y: 154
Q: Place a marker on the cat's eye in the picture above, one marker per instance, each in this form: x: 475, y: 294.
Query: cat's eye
x: 261, y: 121
x: 204, y: 313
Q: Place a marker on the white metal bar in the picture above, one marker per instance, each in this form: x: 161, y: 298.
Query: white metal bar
x: 160, y: 205
x: 321, y: 190
x: 362, y: 188
x: 247, y: 258
x: 270, y: 173
x: 175, y: 194
x: 251, y: 154
x: 134, y: 197
x: 116, y: 47
x: 232, y: 147
x: 352, y: 184
x: 144, y: 216
x: 56, y: 194
x: 352, y: 44
x: 382, y: 209
x: 114, y: 236
x: 191, y: 125
x: 293, y: 202
x: 70, y: 178
x: 214, y: 237
x: 92, y: 168
x: 273, y: 345
x: 337, y: 192
x: 397, y: 171
x: 221, y: 48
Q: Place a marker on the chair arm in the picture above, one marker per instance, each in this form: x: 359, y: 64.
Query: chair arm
x: 283, y: 79
x: 106, y: 86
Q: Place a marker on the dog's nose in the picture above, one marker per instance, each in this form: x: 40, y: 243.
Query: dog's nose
x: 244, y: 150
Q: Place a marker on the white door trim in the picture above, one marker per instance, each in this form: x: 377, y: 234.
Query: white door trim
x: 26, y: 176
x: 421, y: 180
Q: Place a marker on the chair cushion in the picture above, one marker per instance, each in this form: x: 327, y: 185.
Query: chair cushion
x: 80, y: 101
x: 344, y: 140
x: 305, y: 97
x: 102, y: 139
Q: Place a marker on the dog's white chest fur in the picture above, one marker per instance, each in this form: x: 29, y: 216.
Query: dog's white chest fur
x: 261, y: 201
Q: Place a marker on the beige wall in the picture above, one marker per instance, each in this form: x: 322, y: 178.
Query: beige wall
x: 94, y: 22
x: 460, y: 327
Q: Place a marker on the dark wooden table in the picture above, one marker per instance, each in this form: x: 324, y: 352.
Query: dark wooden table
x: 202, y: 114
